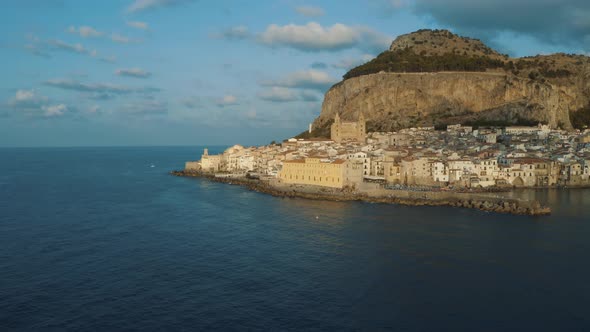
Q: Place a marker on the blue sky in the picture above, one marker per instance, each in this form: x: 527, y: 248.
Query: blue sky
x: 195, y: 72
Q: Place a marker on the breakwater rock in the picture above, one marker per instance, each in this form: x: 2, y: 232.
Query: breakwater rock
x: 482, y: 202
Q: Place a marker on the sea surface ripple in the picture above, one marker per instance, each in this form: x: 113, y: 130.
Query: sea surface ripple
x: 96, y: 239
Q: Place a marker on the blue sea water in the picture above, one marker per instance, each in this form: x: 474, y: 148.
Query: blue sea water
x: 95, y: 239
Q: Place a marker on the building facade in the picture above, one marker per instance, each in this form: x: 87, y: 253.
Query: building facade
x: 314, y: 171
x: 210, y: 163
x: 354, y: 131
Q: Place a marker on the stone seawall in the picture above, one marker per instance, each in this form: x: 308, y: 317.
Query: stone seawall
x: 484, y: 202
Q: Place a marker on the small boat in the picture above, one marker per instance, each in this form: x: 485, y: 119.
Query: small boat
x: 152, y: 165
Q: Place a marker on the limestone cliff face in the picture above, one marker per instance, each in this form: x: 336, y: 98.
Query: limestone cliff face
x: 391, y: 100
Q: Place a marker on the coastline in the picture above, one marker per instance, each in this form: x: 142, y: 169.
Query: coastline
x: 481, y: 201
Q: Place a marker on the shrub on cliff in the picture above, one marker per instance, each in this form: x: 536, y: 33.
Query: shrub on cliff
x: 407, y: 61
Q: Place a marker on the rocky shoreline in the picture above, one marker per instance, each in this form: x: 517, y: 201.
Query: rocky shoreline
x: 454, y: 199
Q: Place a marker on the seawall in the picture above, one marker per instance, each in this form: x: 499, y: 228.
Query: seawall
x: 480, y: 201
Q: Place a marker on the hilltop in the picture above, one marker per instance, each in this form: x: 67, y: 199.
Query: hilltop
x: 435, y: 77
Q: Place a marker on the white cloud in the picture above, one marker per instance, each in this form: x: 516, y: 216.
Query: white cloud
x: 75, y: 48
x: 279, y: 94
x: 24, y: 95
x: 54, y: 110
x: 306, y: 79
x: 99, y: 88
x: 349, y: 63
x: 138, y: 25
x: 85, y: 31
x: 142, y: 5
x: 313, y: 37
x: 310, y: 11
x: 46, y: 48
x: 32, y: 104
x: 310, y: 37
x: 133, y: 72
x: 227, y: 100
x: 26, y: 99
x: 282, y: 95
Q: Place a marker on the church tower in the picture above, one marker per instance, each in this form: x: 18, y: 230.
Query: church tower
x: 362, y: 127
x: 335, y: 129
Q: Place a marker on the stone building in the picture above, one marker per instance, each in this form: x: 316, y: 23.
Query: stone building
x: 314, y: 171
x: 416, y: 171
x: 192, y: 166
x: 392, y: 171
x: 440, y: 172
x: 210, y: 163
x: 354, y: 131
x: 362, y: 157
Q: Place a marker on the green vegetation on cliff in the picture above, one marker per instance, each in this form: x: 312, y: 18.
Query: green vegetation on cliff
x: 581, y: 118
x: 406, y: 60
x: 323, y: 131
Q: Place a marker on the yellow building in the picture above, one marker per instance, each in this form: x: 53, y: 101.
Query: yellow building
x: 355, y: 131
x: 313, y: 171
x: 392, y: 170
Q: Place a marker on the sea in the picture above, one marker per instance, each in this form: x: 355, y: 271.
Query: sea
x: 104, y: 239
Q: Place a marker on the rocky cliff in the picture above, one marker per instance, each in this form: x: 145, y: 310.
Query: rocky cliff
x: 436, y: 78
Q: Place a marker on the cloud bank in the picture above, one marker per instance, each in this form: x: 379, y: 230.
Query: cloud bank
x: 144, y: 5
x: 313, y: 37
x: 29, y: 102
x: 138, y: 25
x: 85, y: 31
x: 104, y: 88
x: 133, y: 72
x: 306, y: 79
x: 563, y: 22
x: 282, y: 95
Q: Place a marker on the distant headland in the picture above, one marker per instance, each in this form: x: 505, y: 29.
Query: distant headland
x: 437, y: 78
x: 438, y: 119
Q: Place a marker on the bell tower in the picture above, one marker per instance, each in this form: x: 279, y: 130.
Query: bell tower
x: 335, y: 129
x: 362, y: 127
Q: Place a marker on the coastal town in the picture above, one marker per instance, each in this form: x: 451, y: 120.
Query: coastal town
x: 457, y: 158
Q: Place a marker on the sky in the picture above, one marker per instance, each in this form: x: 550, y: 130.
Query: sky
x: 196, y: 72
